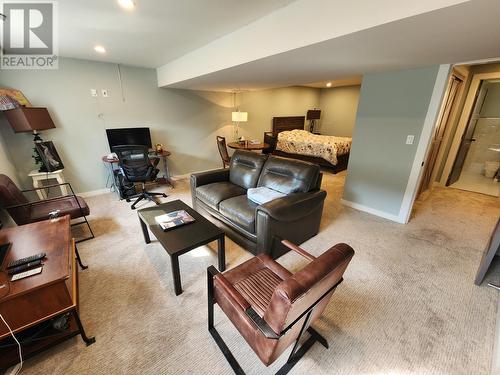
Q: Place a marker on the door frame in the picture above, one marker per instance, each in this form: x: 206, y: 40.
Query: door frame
x: 464, y: 120
x: 454, y: 75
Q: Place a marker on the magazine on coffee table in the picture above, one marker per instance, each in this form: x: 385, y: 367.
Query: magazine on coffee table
x: 174, y: 219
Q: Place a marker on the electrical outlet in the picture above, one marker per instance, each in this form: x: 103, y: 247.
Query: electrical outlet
x: 410, y: 139
x: 105, y: 93
x: 93, y: 92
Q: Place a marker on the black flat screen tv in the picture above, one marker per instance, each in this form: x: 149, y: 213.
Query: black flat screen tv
x: 128, y: 136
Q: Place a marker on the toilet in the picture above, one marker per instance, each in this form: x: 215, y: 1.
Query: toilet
x: 491, y: 168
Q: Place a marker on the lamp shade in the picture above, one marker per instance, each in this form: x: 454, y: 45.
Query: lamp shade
x: 313, y: 114
x: 28, y: 119
x: 239, y: 116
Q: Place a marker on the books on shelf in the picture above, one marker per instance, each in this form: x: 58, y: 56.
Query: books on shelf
x: 174, y: 219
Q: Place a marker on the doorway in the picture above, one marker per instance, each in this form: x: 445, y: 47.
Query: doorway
x: 478, y: 158
x: 445, y: 118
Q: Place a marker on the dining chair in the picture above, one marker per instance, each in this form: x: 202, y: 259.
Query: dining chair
x: 221, y: 145
x: 270, y: 139
x: 271, y: 307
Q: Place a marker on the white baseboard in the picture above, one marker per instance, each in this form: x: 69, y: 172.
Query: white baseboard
x: 372, y: 211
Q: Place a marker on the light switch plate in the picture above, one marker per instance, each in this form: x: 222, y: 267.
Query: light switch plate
x: 410, y: 139
x: 93, y: 92
x: 105, y: 93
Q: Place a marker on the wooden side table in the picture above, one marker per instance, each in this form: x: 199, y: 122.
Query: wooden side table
x: 246, y: 145
x: 38, y: 177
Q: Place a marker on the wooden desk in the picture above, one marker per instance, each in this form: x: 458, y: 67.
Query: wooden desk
x: 34, y: 300
x: 248, y: 146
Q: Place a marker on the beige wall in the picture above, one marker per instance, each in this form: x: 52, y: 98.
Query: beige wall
x: 263, y: 105
x: 338, y: 110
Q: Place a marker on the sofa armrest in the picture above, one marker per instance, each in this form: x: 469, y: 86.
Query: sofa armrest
x: 293, y: 206
x: 209, y: 177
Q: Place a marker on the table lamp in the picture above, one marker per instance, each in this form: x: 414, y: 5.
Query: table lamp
x: 312, y: 116
x: 238, y: 117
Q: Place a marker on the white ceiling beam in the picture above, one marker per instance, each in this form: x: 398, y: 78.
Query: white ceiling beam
x: 302, y: 23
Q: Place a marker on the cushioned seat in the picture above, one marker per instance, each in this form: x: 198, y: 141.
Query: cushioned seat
x: 213, y: 194
x: 256, y: 279
x: 66, y: 205
x: 241, y: 211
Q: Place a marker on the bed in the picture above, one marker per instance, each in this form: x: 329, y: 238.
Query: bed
x: 292, y: 141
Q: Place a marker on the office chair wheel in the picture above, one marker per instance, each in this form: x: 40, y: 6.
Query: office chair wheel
x: 128, y: 200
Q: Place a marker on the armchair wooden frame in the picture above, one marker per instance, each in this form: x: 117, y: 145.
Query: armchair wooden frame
x: 298, y: 350
x: 85, y: 221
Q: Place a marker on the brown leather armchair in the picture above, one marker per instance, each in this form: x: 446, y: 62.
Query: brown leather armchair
x: 273, y: 308
x: 23, y: 211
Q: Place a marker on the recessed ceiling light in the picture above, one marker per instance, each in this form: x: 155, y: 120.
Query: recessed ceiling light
x: 100, y: 49
x: 329, y: 84
x: 127, y: 4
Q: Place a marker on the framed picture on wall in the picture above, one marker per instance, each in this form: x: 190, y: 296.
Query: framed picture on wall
x: 49, y: 155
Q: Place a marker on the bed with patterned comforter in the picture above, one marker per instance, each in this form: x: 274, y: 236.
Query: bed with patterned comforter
x: 303, y: 142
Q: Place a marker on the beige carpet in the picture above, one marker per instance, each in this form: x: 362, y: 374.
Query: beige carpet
x: 407, y: 306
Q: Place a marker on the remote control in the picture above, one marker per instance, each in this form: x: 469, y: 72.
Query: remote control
x: 21, y: 261
x: 26, y: 274
x: 24, y: 267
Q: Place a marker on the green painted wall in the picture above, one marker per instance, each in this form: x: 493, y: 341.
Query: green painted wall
x: 392, y: 105
x: 186, y: 122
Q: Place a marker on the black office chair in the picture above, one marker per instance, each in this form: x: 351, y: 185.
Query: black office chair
x: 136, y: 166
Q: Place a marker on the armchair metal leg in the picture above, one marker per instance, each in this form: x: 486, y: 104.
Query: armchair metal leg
x: 85, y: 221
x: 297, y: 352
x: 79, y: 260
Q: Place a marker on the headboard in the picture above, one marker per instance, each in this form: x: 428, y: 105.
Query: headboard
x: 281, y: 124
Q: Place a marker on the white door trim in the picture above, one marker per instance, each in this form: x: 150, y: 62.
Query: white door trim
x: 424, y: 142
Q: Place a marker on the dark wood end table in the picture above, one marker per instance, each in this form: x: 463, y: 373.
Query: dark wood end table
x: 178, y: 241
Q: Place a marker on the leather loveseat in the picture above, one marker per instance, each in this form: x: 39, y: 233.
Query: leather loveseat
x: 221, y: 195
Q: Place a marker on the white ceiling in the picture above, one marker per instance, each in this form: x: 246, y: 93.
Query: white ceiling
x: 155, y: 32
x: 464, y: 32
x: 349, y: 81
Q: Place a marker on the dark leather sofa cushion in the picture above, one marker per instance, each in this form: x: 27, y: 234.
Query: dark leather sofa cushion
x: 245, y: 168
x: 213, y: 194
x: 288, y: 175
x: 241, y: 211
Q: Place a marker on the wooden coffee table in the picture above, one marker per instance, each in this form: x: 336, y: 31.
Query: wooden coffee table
x: 185, y: 238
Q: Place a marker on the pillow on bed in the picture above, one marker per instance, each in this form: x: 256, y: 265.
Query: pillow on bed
x: 263, y: 195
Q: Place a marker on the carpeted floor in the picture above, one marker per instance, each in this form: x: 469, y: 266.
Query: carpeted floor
x: 408, y: 304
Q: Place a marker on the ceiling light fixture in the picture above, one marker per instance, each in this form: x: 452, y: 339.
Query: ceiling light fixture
x: 127, y: 4
x: 329, y: 84
x: 100, y: 49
